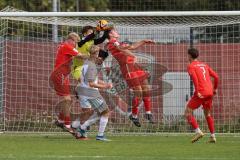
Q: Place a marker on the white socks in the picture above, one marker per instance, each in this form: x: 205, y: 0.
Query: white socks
x: 92, y: 119
x: 134, y: 116
x: 102, y: 125
x: 68, y: 126
x: 197, y: 130
x: 60, y: 121
x: 76, y: 123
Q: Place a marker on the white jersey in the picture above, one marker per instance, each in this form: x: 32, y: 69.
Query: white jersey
x: 89, y: 74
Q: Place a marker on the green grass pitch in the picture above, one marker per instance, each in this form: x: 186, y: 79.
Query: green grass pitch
x: 54, y: 147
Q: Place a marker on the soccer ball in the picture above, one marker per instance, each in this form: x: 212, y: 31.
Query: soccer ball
x: 103, y: 25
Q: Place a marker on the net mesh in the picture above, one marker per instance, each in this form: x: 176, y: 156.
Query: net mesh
x: 28, y: 53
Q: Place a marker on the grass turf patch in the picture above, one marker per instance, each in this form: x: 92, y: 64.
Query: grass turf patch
x: 28, y: 147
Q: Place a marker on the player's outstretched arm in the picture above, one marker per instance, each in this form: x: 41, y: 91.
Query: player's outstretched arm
x: 101, y: 39
x: 101, y: 81
x: 82, y: 56
x: 74, y: 52
x: 86, y: 39
x: 100, y: 85
x: 140, y: 43
x: 124, y: 50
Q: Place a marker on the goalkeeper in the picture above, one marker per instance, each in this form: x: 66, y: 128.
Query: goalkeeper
x: 87, y: 41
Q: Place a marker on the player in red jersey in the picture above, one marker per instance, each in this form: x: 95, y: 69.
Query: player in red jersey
x: 201, y: 74
x: 134, y: 75
x: 59, y: 78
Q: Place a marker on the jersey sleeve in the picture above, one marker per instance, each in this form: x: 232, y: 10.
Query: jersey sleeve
x: 193, y: 76
x: 116, y: 44
x: 67, y: 49
x: 215, y: 76
x: 101, y: 39
x: 112, y: 46
x: 86, y: 39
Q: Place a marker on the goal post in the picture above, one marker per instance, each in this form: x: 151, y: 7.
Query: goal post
x: 27, y: 54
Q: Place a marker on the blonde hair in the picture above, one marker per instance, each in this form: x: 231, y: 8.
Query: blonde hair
x: 73, y: 36
x: 93, y: 49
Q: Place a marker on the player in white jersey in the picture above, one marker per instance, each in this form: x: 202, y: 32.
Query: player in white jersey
x: 90, y: 96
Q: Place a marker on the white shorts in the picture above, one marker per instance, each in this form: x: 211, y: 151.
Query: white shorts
x: 84, y: 103
x: 97, y: 104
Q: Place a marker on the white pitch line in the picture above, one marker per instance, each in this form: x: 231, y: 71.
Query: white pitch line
x: 125, y: 157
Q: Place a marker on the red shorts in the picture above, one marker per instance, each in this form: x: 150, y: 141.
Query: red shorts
x: 195, y: 102
x: 136, y: 78
x: 60, y: 83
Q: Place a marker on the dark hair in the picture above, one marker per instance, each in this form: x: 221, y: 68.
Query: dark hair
x: 193, y: 52
x: 86, y: 28
x: 103, y: 54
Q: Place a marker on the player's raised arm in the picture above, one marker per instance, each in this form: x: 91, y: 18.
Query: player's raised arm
x: 139, y: 44
x: 82, y: 56
x: 123, y: 48
x: 102, y: 38
x: 100, y: 85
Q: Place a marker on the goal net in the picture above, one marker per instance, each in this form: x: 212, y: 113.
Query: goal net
x: 28, y: 49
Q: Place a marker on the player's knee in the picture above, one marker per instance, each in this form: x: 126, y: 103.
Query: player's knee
x: 137, y: 88
x: 64, y: 103
x: 207, y: 112
x: 87, y: 110
x: 67, y: 98
x: 105, y: 113
x: 67, y: 105
x: 145, y: 86
x: 68, y: 102
x: 137, y: 91
x: 188, y: 112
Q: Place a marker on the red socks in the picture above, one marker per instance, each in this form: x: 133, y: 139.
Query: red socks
x: 147, y: 104
x: 61, y: 116
x: 210, y: 123
x: 192, y: 121
x: 135, y: 103
x: 67, y: 120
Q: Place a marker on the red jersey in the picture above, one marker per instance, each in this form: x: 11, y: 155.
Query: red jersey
x: 126, y: 62
x: 201, y: 75
x: 64, y: 56
x: 131, y: 71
